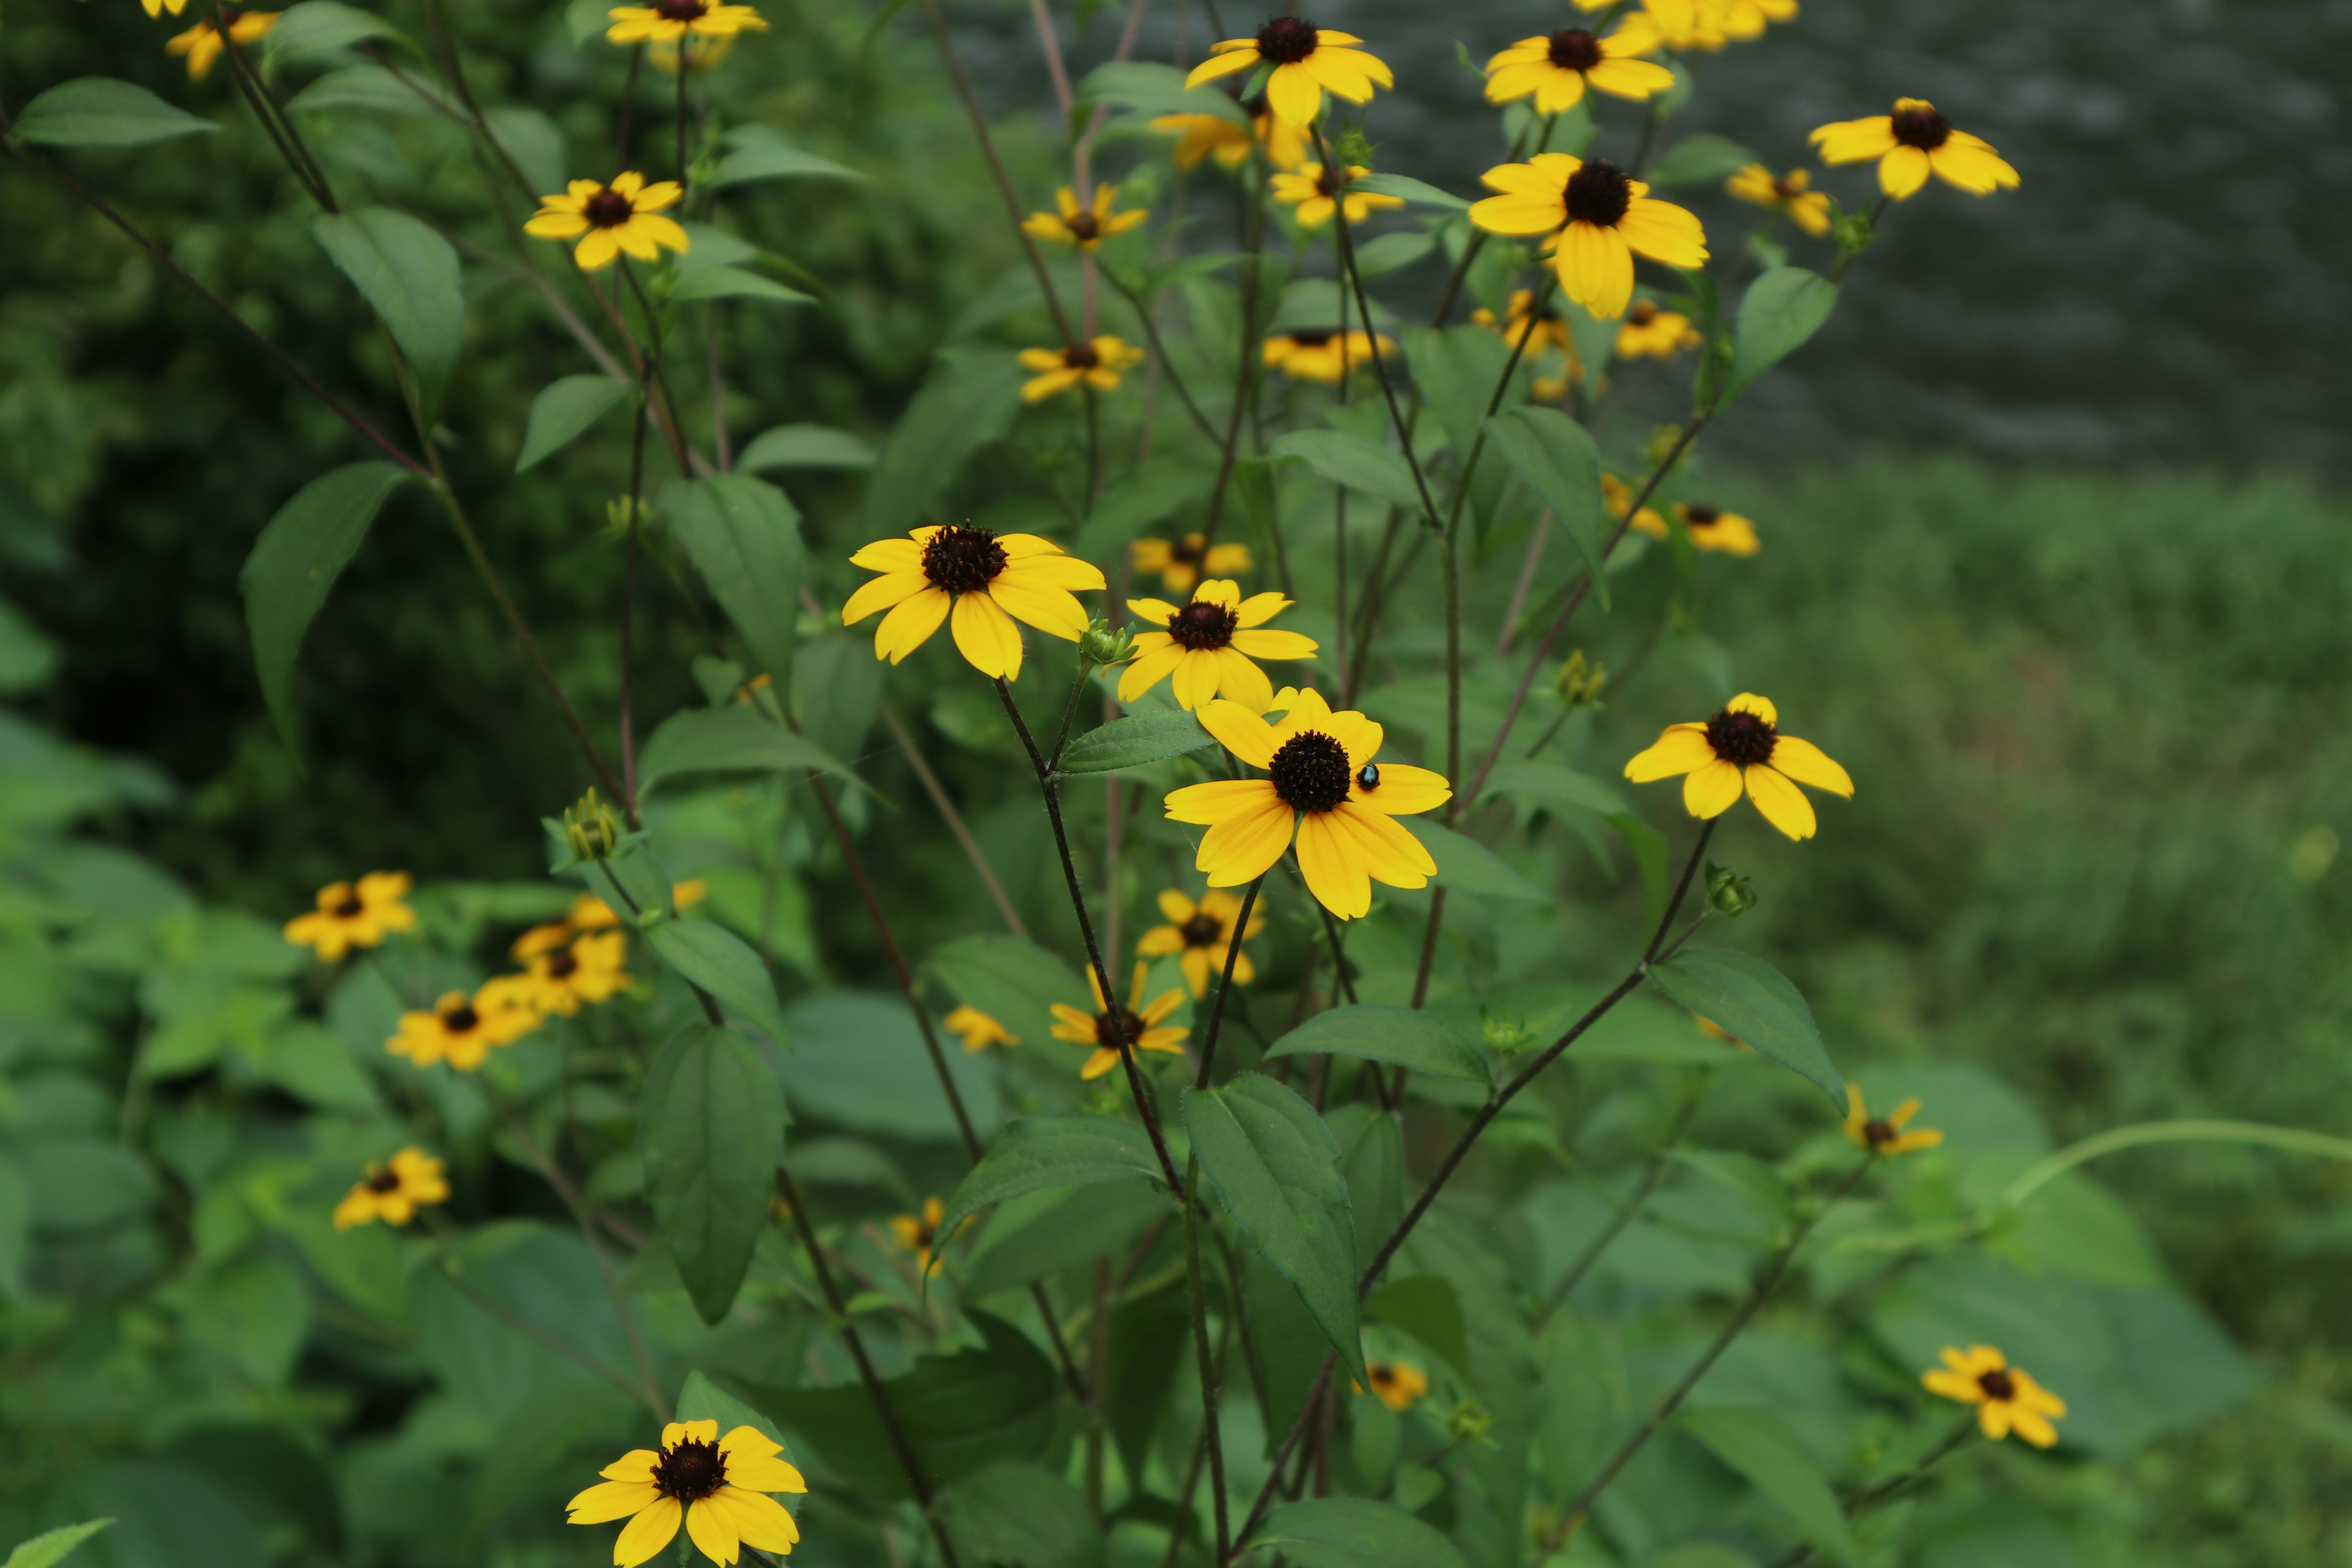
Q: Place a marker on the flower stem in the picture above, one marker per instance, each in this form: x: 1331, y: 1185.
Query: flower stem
x: 1211, y: 1437
x: 1864, y: 1502
x: 1225, y: 981
x: 1159, y: 354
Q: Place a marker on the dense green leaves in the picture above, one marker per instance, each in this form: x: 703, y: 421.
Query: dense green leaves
x: 320, y: 27
x: 1556, y: 457
x: 736, y: 739
x: 1040, y: 1154
x: 743, y: 535
x: 716, y: 961
x: 294, y: 564
x: 565, y: 410
x: 1011, y: 980
x: 99, y: 112
x: 1022, y: 1516
x: 1347, y: 459
x: 712, y: 1132
x: 1134, y: 741
x: 1755, y: 1002
x: 410, y: 275
x: 1399, y: 1035
x: 1354, y: 1533
x: 1458, y: 370
x: 1779, y: 312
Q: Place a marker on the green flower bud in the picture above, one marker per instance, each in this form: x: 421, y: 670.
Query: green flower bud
x: 1578, y: 684
x: 590, y: 828
x: 1727, y: 893
x: 616, y: 514
x: 1353, y: 148
x: 1101, y: 645
x: 1852, y: 232
x: 1505, y: 1033
x: 1469, y: 1423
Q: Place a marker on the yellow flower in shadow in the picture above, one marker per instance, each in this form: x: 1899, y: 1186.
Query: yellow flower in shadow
x: 1201, y: 934
x: 1138, y: 1023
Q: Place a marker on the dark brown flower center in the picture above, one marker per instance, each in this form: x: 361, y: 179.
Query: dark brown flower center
x: 1108, y: 1026
x: 1286, y: 41
x: 1382, y: 1373
x: 1998, y: 1385
x: 350, y: 909
x: 1786, y: 187
x: 962, y: 559
x: 383, y: 1179
x: 1644, y: 312
x: 561, y: 965
x: 1924, y: 128
x: 1081, y: 356
x: 1083, y: 226
x: 1877, y: 1131
x: 1204, y: 625
x: 1191, y: 550
x: 1310, y: 772
x: 1575, y: 49
x: 1202, y: 930
x: 229, y: 14
x: 1740, y: 737
x: 690, y: 1472
x: 680, y: 10
x: 1313, y: 337
x: 608, y: 208
x: 1330, y: 181
x: 1699, y: 516
x: 461, y: 1019
x: 1598, y: 192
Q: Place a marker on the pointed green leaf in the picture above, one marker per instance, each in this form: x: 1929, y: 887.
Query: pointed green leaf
x: 736, y: 739
x: 1354, y: 1533
x: 52, y: 1546
x: 804, y: 447
x: 410, y: 275
x: 295, y: 562
x: 1376, y: 1032
x: 1556, y: 457
x: 1134, y: 741
x: 744, y: 536
x: 1756, y: 1445
x: 323, y: 26
x: 1781, y: 310
x: 712, y: 1132
x: 1349, y: 459
x: 761, y: 154
x: 733, y: 283
x: 1468, y: 866
x: 565, y: 410
x: 99, y: 112
x: 1039, y: 1153
x: 715, y: 959
x: 1752, y: 1000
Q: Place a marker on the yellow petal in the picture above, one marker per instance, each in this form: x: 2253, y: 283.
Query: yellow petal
x: 1206, y: 805
x: 1679, y: 749
x: 1784, y: 806
x: 911, y: 625
x: 611, y: 1501
x: 1749, y: 702
x: 1902, y: 172
x: 713, y: 1530
x: 1710, y: 791
x: 1334, y: 875
x: 1293, y: 94
x: 644, y: 1537
x: 986, y: 636
x: 1245, y: 846
x: 1239, y: 731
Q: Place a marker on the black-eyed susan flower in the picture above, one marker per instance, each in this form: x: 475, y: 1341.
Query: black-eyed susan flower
x: 667, y: 21
x: 1712, y: 528
x: 1686, y: 25
x: 1595, y: 218
x: 987, y: 581
x: 354, y: 914
x: 1650, y: 332
x: 1541, y: 327
x: 1742, y: 748
x: 202, y: 43
x: 1397, y: 1385
x: 1316, y: 194
x: 1181, y: 562
x: 1323, y: 781
x: 978, y: 1031
x: 1138, y: 1023
x: 2006, y: 1397
x: 461, y: 1029
x: 1202, y: 136
x: 1306, y: 59
x: 1555, y: 69
x: 1085, y: 225
x: 1886, y: 1134
x: 1791, y: 193
x: 920, y: 1233
x: 1617, y: 495
x: 716, y: 1485
x: 587, y: 972
x: 1325, y: 356
x: 1097, y: 364
x: 1911, y: 143
x: 394, y: 1191
x: 1208, y: 646
x: 1201, y: 934
x: 588, y: 912
x: 624, y: 216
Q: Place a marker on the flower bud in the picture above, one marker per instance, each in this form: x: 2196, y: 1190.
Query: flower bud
x: 1505, y: 1034
x: 1727, y: 893
x: 1852, y: 232
x: 1662, y: 439
x: 1350, y: 147
x: 1578, y: 684
x: 590, y: 828
x: 1101, y: 645
x: 1469, y: 1423
x: 617, y: 513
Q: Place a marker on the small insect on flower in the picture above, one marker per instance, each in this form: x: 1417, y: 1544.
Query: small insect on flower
x: 610, y: 220
x: 1098, y: 364
x: 1324, y: 356
x: 987, y: 580
x: 918, y: 1234
x: 1791, y: 193
x: 202, y: 43
x: 1595, y: 218
x: 1084, y: 227
x: 1201, y: 934
x: 1306, y: 59
x: 393, y: 1192
x: 1317, y: 195
x: 719, y: 1486
x: 1396, y: 1384
x: 667, y: 21
x: 1556, y: 69
x: 1884, y: 1134
x: 564, y: 979
x: 1181, y: 563
x: 2006, y: 1397
x: 1742, y: 748
x: 1137, y: 1023
x: 978, y: 1031
x: 1208, y: 646
x: 1914, y: 142
x: 354, y: 915
x: 1711, y: 527
x: 1650, y: 332
x: 461, y: 1029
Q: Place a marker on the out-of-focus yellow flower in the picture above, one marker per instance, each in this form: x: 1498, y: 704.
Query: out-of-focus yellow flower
x: 1539, y: 329
x: 1712, y: 528
x: 1653, y: 333
x: 461, y: 1029
x: 393, y: 1192
x: 354, y: 915
x: 2006, y: 1397
x: 1326, y: 357
x: 1792, y: 193
x: 1098, y: 364
x: 1556, y: 69
x: 1180, y: 563
x: 586, y: 972
x: 667, y: 21
x: 1397, y: 1385
x: 978, y: 1031
x: 1911, y: 143
x: 1886, y: 1134
x: 1084, y: 226
x: 1307, y: 59
x: 202, y: 43
x: 624, y: 216
x: 1318, y: 195
x: 1201, y: 934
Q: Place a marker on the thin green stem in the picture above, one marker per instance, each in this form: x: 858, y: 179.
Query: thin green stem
x: 1159, y: 354
x: 1225, y: 981
x: 1197, y: 1301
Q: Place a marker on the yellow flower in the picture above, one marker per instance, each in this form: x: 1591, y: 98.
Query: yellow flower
x: 1323, y: 781
x: 701, y: 54
x: 589, y: 912
x: 1617, y: 495
x: 719, y: 1484
x: 1305, y: 60
x: 1712, y: 528
x: 1884, y: 1135
x: 1539, y: 329
x: 1202, y: 933
x: 1595, y: 218
x: 1138, y: 1022
x: 157, y: 8
x: 1316, y: 196
x: 978, y: 1031
x: 394, y: 1193
x: 1180, y: 563
x: 1209, y: 644
x: 1558, y: 69
x: 1396, y: 1384
x: 1914, y: 142
x: 348, y: 917
x: 1790, y: 193
x: 461, y: 1029
x: 2006, y: 1397
x: 1653, y: 333
x: 1684, y: 25
x: 1084, y: 227
x: 667, y: 21
x: 989, y: 580
x: 1744, y: 19
x: 589, y: 971
x: 1740, y: 746
x: 202, y: 43
x: 1323, y: 356
x: 1202, y: 136
x: 920, y: 1235
x: 1097, y: 364
x: 616, y: 218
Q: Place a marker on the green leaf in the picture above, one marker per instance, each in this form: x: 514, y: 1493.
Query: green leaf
x: 700, y: 1399
x: 712, y: 1131
x: 533, y: 141
x: 295, y: 562
x: 1354, y: 1533
x: 1046, y: 1233
x: 587, y: 19
x: 968, y: 402
x: 1404, y: 187
x: 1134, y: 741
x: 1392, y: 253
x: 1781, y: 309
x: 1378, y: 1033
x: 1148, y: 88
x: 1039, y: 1153
x: 1756, y: 1445
x: 369, y: 88
x: 1275, y: 1168
x: 1648, y: 846
x: 323, y: 26
x: 744, y: 536
x: 99, y: 112
x: 858, y: 1062
x: 1346, y: 458
x: 53, y: 1546
x: 1013, y: 981
x: 1754, y: 1002
x: 709, y: 956
x: 1556, y: 457
x: 836, y: 690
x: 1467, y: 866
x: 762, y: 154
x: 564, y: 410
x: 1700, y: 161
x: 1020, y: 1513
x: 804, y: 447
x: 1457, y: 369
x: 1429, y: 1308
x: 410, y: 275
x: 736, y: 739
x: 732, y: 283
x: 1151, y: 1343
x: 1550, y: 781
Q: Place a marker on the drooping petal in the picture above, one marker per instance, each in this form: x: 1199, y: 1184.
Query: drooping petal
x: 1977, y: 168
x: 1663, y: 232
x: 1710, y: 791
x: 1048, y: 609
x: 1902, y: 172
x: 1784, y: 806
x: 1856, y: 141
x: 1243, y: 681
x: 986, y: 636
x: 911, y: 625
x: 1148, y: 668
x: 761, y: 1522
x: 644, y: 1537
x: 1335, y: 873
x: 1224, y: 64
x: 880, y: 594
x: 1239, y: 731
x: 1596, y: 269
x: 610, y: 1500
x: 1293, y: 94
x: 1679, y: 749
x: 1390, y: 851
x: 1196, y: 678
x: 713, y: 1530
x: 1244, y: 846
